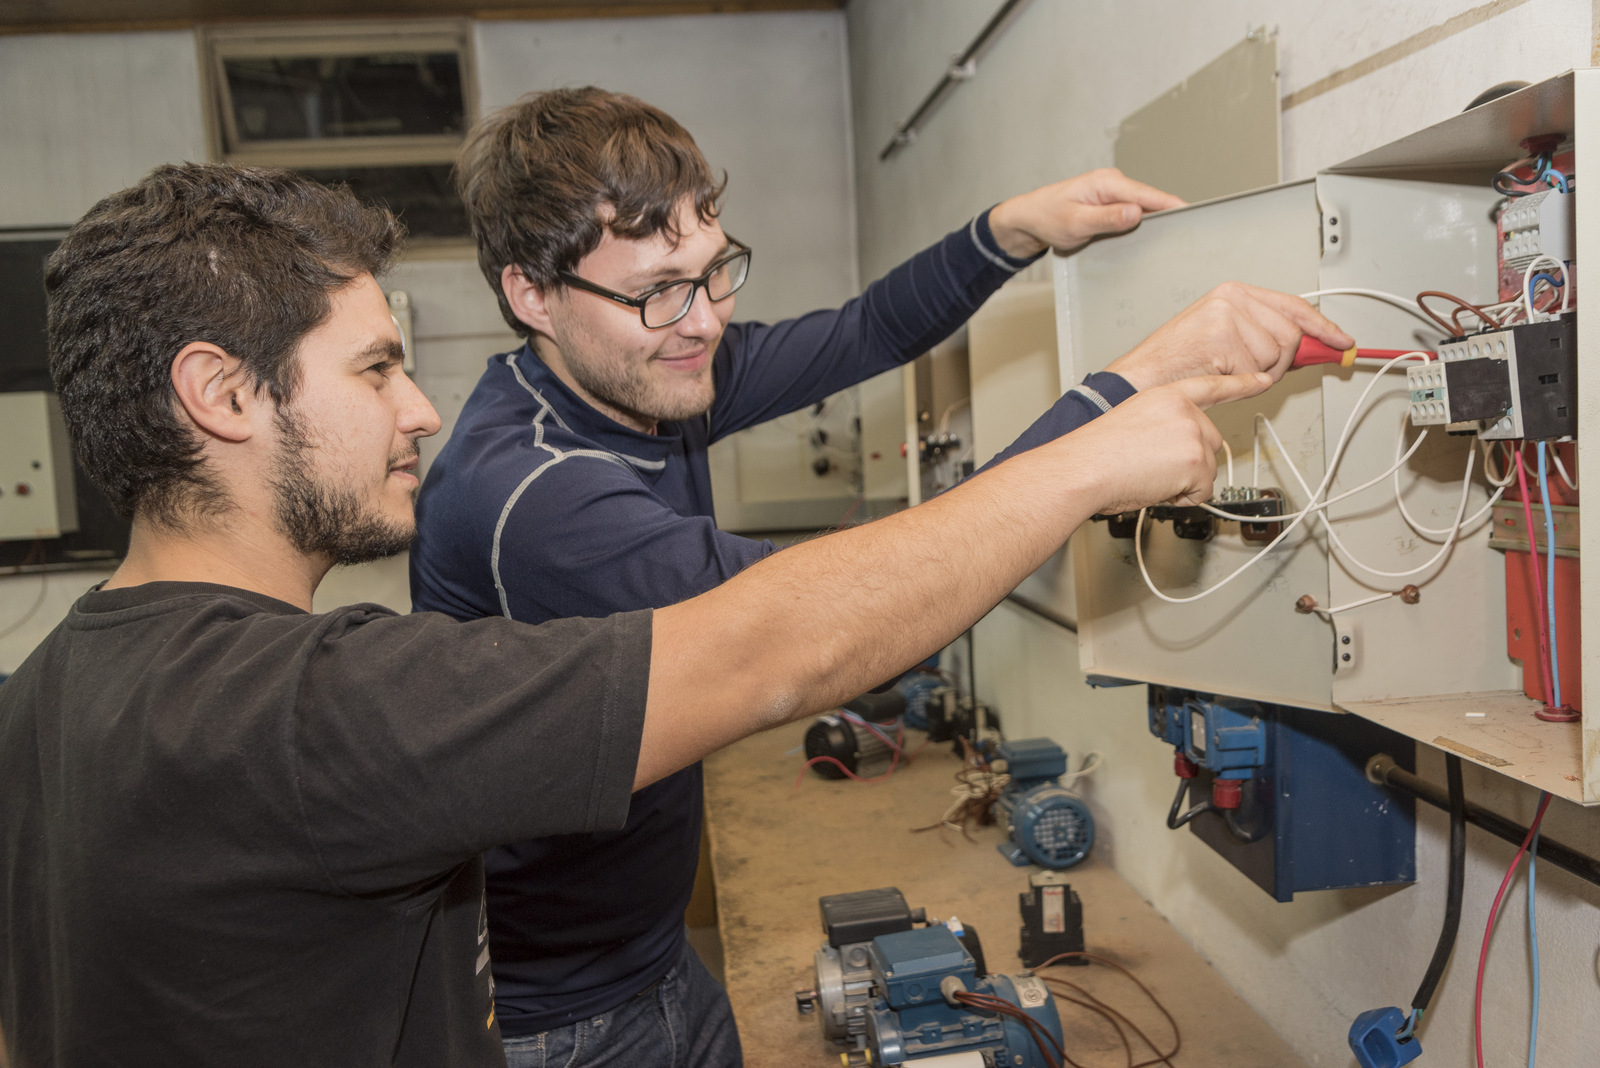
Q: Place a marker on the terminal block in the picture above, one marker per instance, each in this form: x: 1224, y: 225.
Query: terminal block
x: 1503, y: 385
x: 1539, y: 224
x: 1251, y: 505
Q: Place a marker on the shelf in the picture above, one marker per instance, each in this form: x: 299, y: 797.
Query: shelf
x: 1495, y: 730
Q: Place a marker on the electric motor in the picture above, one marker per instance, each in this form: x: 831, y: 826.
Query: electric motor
x: 854, y: 745
x: 1047, y: 824
x: 917, y: 1014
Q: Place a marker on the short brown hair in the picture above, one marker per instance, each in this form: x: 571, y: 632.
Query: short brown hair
x: 243, y: 258
x: 545, y: 178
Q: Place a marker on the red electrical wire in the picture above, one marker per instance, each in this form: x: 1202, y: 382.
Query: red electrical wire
x: 1494, y: 912
x: 1538, y: 584
x: 894, y: 762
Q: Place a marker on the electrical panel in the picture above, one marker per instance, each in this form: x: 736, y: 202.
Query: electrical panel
x: 1360, y: 554
x: 36, y: 489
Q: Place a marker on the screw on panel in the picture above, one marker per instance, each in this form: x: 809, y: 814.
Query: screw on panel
x: 1410, y: 595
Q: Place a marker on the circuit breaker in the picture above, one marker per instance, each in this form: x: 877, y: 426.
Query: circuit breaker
x: 37, y: 499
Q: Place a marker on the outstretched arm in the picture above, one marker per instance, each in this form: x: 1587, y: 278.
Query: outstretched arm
x: 816, y: 624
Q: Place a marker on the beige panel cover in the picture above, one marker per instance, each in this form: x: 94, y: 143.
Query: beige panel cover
x: 1214, y: 133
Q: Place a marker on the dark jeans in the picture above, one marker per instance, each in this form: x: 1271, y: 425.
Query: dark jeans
x: 684, y: 1021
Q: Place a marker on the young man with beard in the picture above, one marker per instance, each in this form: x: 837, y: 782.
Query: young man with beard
x: 576, y: 484
x: 236, y: 833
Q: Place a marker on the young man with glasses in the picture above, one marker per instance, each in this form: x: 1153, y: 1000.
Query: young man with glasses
x: 576, y: 483
x: 237, y: 833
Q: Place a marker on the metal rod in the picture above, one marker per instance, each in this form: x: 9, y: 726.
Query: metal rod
x: 908, y: 129
x: 1382, y: 770
x: 1042, y: 611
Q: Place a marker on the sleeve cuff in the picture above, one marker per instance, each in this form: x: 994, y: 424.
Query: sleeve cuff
x: 990, y: 249
x: 1104, y: 389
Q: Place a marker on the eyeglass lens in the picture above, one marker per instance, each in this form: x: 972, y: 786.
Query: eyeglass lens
x: 671, y: 304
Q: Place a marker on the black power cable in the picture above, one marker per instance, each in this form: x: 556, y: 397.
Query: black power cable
x: 1452, y: 901
x: 1382, y: 769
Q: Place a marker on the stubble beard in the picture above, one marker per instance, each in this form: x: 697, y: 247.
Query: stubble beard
x: 629, y: 388
x: 322, y: 519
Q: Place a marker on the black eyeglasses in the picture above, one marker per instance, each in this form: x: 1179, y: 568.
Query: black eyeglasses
x: 670, y: 301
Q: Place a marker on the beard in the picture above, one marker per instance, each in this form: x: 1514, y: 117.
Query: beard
x: 323, y: 519
x: 630, y: 389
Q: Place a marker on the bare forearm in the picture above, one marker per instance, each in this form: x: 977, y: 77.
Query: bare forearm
x: 819, y: 623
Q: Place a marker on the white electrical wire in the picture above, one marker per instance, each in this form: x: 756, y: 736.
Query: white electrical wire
x: 1406, y: 303
x: 1503, y: 481
x: 1229, y: 453
x: 1561, y: 469
x: 1335, y: 499
x: 1527, y: 280
x: 1085, y: 767
x: 1467, y: 524
x: 1326, y: 613
x: 1312, y: 498
x: 1335, y: 543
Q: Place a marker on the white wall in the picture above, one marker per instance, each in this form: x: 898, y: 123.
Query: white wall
x: 84, y: 115
x: 766, y: 97
x: 1050, y: 92
x: 88, y: 114
x: 1044, y: 105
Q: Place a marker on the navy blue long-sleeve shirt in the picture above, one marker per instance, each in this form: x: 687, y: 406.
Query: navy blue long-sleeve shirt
x: 541, y: 507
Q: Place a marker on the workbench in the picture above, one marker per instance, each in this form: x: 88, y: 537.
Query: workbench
x: 775, y: 849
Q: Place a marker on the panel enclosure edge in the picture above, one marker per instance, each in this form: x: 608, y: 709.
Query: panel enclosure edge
x: 1110, y: 296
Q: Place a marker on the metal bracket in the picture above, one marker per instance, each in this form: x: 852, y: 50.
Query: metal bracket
x: 1346, y: 644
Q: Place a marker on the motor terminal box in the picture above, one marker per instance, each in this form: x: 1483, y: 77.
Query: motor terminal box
x: 1033, y: 759
x: 1503, y: 385
x: 866, y: 914
x: 37, y: 496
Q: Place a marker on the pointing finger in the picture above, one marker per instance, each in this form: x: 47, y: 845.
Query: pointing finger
x: 1206, y: 391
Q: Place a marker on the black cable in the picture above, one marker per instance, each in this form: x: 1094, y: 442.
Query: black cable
x: 1458, y: 874
x: 1382, y: 769
x: 1503, y: 181
x: 1174, y: 820
x: 1230, y: 816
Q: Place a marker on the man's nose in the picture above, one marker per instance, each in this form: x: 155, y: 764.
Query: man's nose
x: 701, y: 320
x: 416, y: 416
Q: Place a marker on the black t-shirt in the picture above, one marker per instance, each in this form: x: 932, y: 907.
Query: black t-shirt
x: 233, y: 833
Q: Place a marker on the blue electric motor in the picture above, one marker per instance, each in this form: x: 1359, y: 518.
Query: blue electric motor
x: 915, y: 1015
x: 1048, y: 824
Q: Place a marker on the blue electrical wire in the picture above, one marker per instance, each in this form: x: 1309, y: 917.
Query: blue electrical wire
x: 1533, y: 942
x: 1550, y: 577
x: 1533, y: 283
x: 1550, y: 172
x: 1411, y: 1025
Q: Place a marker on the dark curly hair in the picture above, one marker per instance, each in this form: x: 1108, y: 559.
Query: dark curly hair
x: 243, y: 258
x: 545, y: 178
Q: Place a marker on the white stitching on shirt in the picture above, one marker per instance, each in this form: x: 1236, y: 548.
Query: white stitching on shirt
x: 1092, y: 395
x: 556, y: 456
x: 547, y: 409
x: 990, y: 256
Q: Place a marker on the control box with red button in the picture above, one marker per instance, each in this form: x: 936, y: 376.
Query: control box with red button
x: 37, y: 499
x: 1282, y: 793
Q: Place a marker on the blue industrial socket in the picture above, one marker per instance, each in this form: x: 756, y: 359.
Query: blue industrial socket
x: 1374, y: 1039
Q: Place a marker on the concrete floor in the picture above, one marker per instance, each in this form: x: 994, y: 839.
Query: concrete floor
x: 776, y: 849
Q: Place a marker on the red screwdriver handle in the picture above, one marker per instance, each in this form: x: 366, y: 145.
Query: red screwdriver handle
x: 1312, y: 351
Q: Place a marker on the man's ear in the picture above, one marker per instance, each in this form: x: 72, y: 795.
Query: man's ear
x: 216, y: 393
x: 528, y: 301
